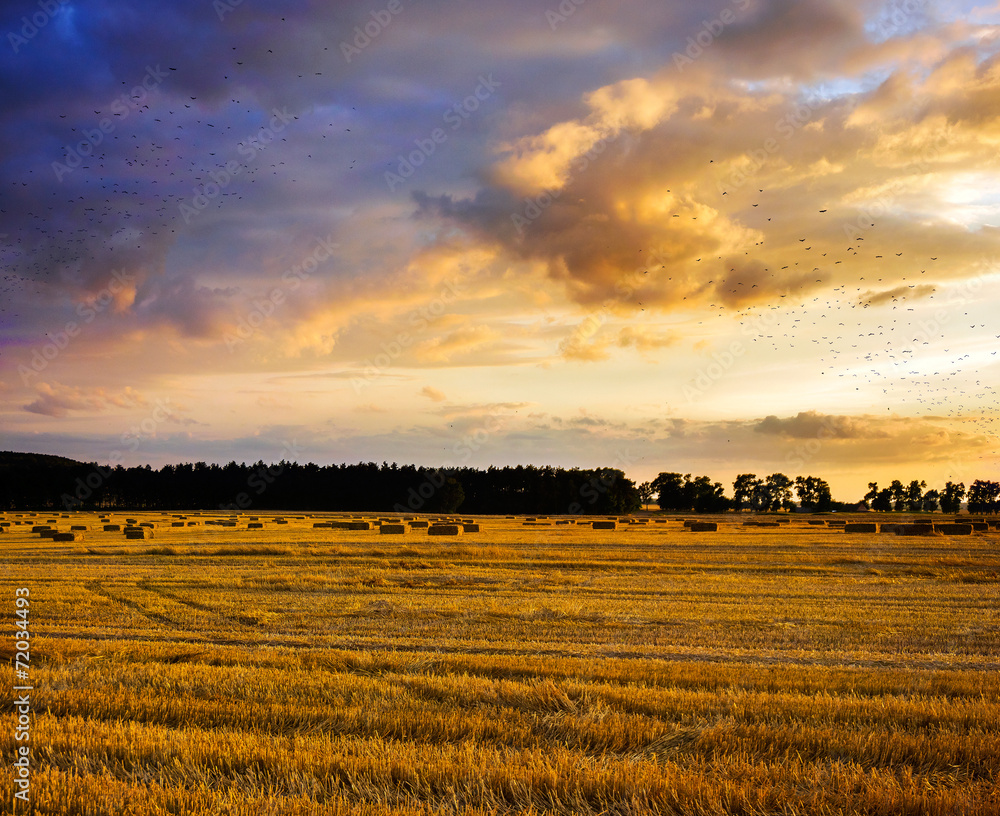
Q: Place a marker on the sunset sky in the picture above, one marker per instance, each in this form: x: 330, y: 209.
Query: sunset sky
x: 712, y: 237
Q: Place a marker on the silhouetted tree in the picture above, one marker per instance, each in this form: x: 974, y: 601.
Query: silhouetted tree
x: 951, y: 497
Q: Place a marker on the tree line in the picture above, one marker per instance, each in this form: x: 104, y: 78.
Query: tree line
x: 35, y: 481
x: 774, y: 493
x: 982, y: 496
x: 29, y: 481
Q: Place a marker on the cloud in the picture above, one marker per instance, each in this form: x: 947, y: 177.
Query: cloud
x: 646, y: 340
x: 432, y: 394
x: 910, y: 292
x: 56, y: 400
x: 813, y: 425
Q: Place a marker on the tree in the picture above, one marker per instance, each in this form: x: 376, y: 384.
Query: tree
x: 706, y: 496
x: 448, y: 498
x: 951, y: 497
x: 814, y: 493
x: 871, y: 495
x: 883, y: 500
x: 914, y: 496
x: 645, y: 494
x: 743, y: 490
x: 983, y: 496
x: 778, y: 489
x: 669, y: 489
x: 898, y: 493
x: 930, y: 501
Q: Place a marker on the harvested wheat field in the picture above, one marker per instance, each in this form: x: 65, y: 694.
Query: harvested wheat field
x: 213, y: 667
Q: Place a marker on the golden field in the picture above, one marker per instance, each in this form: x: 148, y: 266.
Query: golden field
x: 542, y: 668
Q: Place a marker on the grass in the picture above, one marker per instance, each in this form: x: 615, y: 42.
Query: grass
x: 556, y: 669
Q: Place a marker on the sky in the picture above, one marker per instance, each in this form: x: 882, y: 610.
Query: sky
x: 724, y: 237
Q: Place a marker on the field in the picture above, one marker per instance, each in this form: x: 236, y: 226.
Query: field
x: 524, y: 668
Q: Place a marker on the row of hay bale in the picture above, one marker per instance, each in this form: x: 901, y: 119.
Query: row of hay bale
x: 948, y: 528
x: 402, y: 526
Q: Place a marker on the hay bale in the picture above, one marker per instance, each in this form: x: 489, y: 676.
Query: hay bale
x: 326, y: 524
x: 151, y: 525
x: 81, y: 527
x: 444, y: 529
x: 861, y: 527
x: 605, y: 525
x: 177, y: 524
x: 420, y: 524
x: 40, y: 527
x: 890, y: 528
x: 255, y: 525
x: 392, y: 529
x: 112, y: 528
x: 70, y: 536
x: 142, y: 533
x: 980, y: 526
x: 470, y: 528
x: 48, y: 533
x: 837, y: 522
x: 915, y: 529
x: 954, y: 529
x: 818, y: 522
x: 703, y: 527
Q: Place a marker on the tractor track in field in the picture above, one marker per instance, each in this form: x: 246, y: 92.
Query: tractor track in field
x: 224, y: 620
x: 915, y: 663
x: 96, y: 588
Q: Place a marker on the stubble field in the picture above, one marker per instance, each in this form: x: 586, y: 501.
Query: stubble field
x: 524, y: 668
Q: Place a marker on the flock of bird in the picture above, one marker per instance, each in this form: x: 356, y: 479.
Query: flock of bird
x: 123, y: 204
